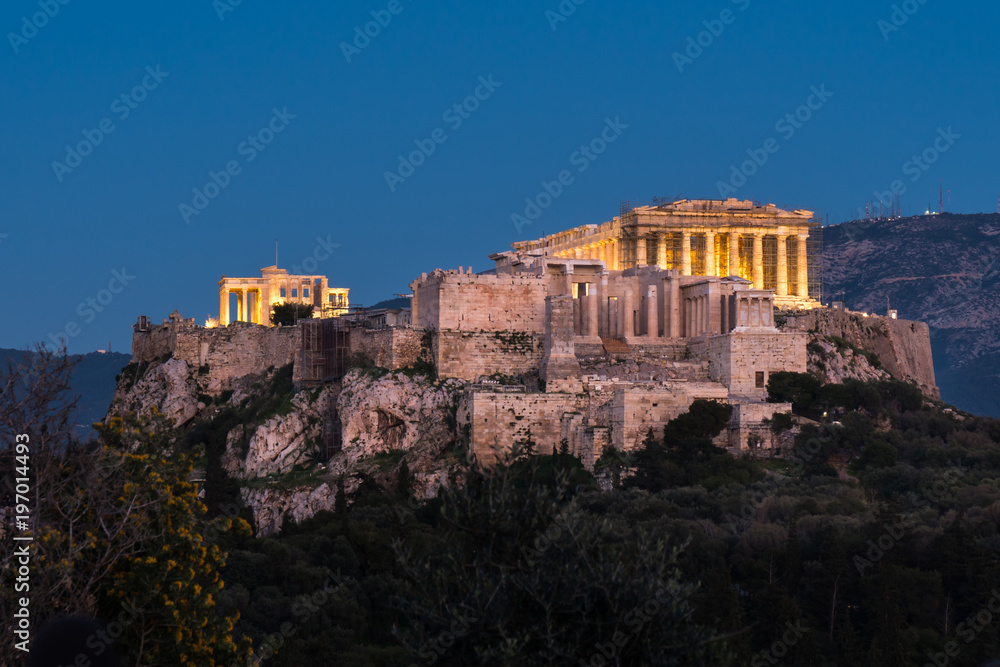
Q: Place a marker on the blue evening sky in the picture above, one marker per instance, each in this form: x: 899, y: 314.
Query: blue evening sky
x: 683, y: 115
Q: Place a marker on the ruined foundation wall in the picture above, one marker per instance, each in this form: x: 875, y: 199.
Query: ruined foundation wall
x: 903, y: 347
x: 636, y: 409
x: 229, y: 352
x: 392, y: 348
x: 498, y: 420
x: 467, y: 355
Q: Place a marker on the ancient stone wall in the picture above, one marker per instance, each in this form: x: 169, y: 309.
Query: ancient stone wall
x: 736, y: 358
x: 229, y: 352
x: 499, y: 420
x: 637, y: 408
x: 903, y: 347
x: 158, y: 341
x: 748, y: 418
x: 448, y: 300
x: 392, y: 348
x: 469, y: 354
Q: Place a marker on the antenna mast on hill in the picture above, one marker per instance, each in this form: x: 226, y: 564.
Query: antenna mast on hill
x: 941, y: 197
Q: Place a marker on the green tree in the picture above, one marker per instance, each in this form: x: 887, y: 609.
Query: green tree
x: 290, y: 313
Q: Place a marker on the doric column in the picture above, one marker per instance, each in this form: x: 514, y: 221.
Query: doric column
x: 710, y: 267
x: 243, y: 305
x: 687, y: 318
x: 224, y: 307
x: 675, y: 308
x: 629, y: 319
x: 640, y: 251
x: 782, y: 287
x: 734, y: 253
x: 592, y: 310
x: 661, y: 247
x: 758, y: 260
x: 685, y: 253
x: 652, y: 326
x: 707, y: 306
x: 803, y: 267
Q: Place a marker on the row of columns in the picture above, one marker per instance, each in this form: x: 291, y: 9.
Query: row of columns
x: 243, y: 313
x: 733, y: 264
x: 607, y: 252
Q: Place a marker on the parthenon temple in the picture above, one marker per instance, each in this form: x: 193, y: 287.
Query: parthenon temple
x: 764, y: 244
x: 255, y: 298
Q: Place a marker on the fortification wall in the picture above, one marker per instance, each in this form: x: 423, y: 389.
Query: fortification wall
x: 903, y: 347
x: 467, y: 355
x: 467, y: 302
x: 497, y: 421
x: 392, y: 348
x: 229, y: 352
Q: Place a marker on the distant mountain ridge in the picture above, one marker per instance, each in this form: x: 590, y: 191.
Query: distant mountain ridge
x: 940, y: 269
x: 93, y: 383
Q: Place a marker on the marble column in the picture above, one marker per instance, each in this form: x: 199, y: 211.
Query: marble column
x: 803, y: 268
x: 628, y: 329
x: 244, y: 315
x: 675, y: 308
x: 685, y: 253
x: 640, y: 251
x: 758, y: 260
x: 652, y: 325
x: 710, y: 266
x: 224, y: 307
x: 734, y: 253
x: 782, y: 287
x: 661, y: 246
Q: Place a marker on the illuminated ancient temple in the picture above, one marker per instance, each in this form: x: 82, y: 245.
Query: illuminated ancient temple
x: 253, y: 299
x: 775, y: 249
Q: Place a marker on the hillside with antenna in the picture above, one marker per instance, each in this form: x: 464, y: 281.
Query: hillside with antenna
x: 942, y: 269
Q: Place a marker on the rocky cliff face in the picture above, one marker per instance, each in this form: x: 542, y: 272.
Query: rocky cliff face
x: 943, y: 270
x: 868, y: 348
x: 274, y: 435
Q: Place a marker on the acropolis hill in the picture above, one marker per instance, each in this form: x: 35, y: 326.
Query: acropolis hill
x: 586, y: 339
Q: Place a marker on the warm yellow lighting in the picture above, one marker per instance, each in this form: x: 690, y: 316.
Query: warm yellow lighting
x: 211, y: 323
